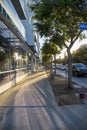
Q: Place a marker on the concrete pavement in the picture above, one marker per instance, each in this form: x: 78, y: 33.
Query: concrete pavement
x: 35, y: 108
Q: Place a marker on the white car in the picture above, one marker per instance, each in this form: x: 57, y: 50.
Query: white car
x: 63, y: 67
x: 59, y: 66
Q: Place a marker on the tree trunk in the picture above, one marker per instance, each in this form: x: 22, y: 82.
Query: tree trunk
x: 50, y: 64
x: 55, y: 62
x: 69, y: 69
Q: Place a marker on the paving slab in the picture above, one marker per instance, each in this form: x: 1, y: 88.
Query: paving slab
x: 35, y: 108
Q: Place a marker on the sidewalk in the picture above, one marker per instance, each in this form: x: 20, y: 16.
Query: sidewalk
x: 35, y: 108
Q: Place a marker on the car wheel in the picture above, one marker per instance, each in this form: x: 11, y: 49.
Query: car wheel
x: 72, y: 73
x: 76, y: 74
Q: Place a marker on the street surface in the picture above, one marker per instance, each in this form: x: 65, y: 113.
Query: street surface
x: 82, y: 81
x: 31, y: 105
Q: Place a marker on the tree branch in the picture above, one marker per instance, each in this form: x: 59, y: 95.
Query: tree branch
x: 65, y: 45
x: 73, y: 41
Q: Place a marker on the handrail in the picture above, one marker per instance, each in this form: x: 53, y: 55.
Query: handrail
x: 4, y: 72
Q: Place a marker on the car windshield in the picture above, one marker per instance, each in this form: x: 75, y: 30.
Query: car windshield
x: 79, y: 65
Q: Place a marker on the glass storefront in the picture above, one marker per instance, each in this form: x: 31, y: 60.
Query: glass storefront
x: 14, y: 57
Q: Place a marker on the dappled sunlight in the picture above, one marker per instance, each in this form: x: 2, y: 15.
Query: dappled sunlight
x: 32, y: 78
x: 35, y: 92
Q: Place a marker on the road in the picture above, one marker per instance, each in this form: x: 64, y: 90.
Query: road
x: 82, y: 81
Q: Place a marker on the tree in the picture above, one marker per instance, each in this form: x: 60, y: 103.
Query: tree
x: 46, y: 55
x: 59, y: 20
x: 54, y: 51
x: 50, y: 50
x: 80, y: 55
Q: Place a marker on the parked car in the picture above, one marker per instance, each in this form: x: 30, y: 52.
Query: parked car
x: 79, y: 69
x: 53, y: 67
x: 66, y: 67
x: 63, y: 67
x: 59, y: 66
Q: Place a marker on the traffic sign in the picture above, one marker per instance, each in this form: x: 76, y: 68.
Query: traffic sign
x: 83, y: 26
x: 85, y: 1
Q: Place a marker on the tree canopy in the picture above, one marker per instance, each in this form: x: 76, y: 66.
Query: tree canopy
x: 49, y: 50
x: 80, y: 55
x: 59, y: 20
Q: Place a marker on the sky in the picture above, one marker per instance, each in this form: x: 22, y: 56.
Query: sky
x: 76, y: 46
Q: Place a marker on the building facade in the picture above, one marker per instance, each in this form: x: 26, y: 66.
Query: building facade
x: 18, y: 49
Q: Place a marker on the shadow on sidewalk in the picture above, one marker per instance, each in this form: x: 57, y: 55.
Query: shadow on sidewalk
x: 65, y: 96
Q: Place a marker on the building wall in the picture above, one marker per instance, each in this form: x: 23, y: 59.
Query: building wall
x: 13, y: 15
x: 28, y: 24
x: 32, y: 34
x: 15, y: 56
